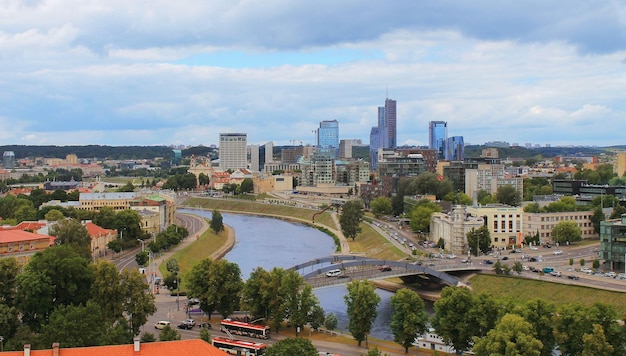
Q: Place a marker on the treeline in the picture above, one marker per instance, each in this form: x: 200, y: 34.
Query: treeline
x: 90, y: 151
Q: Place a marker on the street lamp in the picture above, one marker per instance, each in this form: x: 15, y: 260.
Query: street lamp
x: 142, y: 244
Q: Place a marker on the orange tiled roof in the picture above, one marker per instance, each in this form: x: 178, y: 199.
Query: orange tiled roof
x: 94, y: 230
x: 7, y: 236
x: 30, y: 225
x: 195, y: 347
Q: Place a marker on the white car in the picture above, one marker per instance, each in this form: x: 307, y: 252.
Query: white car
x: 610, y: 274
x: 333, y: 273
x: 557, y: 252
x: 586, y: 270
x: 534, y: 248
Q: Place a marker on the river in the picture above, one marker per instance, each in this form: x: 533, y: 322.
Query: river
x: 268, y: 243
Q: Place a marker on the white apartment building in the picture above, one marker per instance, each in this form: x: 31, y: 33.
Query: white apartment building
x: 233, y: 153
x: 453, y: 228
x: 504, y: 223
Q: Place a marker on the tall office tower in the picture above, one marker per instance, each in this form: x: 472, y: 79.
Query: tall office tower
x: 385, y: 134
x: 390, y: 123
x: 233, y: 151
x: 437, y: 136
x: 260, y: 155
x: 8, y: 159
x: 455, y: 148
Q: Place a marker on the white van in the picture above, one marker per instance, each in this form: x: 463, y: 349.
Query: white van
x: 333, y: 273
x: 161, y: 324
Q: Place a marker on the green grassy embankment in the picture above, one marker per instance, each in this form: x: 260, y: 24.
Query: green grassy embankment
x: 520, y: 290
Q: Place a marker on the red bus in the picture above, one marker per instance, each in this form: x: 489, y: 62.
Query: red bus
x: 239, y: 347
x: 245, y: 329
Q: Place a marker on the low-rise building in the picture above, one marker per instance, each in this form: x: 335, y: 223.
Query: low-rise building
x: 503, y: 221
x: 453, y: 227
x: 543, y: 223
x: 22, y: 245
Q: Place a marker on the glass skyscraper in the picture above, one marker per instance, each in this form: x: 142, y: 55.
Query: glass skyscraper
x: 385, y: 134
x: 455, y: 148
x: 437, y: 136
x: 328, y: 134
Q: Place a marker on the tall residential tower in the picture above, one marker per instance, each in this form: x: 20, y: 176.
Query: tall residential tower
x: 233, y: 152
x: 385, y: 134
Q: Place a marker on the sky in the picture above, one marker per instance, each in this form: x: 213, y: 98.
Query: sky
x: 81, y: 72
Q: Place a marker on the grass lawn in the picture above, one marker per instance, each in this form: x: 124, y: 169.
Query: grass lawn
x: 195, y: 252
x: 246, y: 206
x: 372, y: 244
x: 520, y: 290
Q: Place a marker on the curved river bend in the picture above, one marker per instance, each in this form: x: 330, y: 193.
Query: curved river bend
x: 268, y: 243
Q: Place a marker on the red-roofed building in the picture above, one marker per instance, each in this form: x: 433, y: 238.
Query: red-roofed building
x: 100, y: 238
x: 22, y: 245
x: 195, y: 347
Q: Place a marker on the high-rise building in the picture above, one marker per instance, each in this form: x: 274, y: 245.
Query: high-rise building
x: 455, y: 148
x: 328, y: 134
x: 8, y: 159
x: 260, y: 155
x: 385, y: 134
x: 390, y: 123
x: 437, y: 136
x: 233, y: 151
x: 345, y: 147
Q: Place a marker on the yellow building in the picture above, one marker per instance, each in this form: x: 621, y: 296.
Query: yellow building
x: 504, y: 223
x: 543, y: 223
x: 22, y: 245
x: 620, y: 163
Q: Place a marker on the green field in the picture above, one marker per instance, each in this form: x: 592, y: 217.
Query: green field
x: 520, y: 290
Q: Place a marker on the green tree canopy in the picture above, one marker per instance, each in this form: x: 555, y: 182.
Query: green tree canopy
x: 479, y: 239
x: 350, y: 219
x: 362, y: 301
x: 512, y: 336
x: 409, y: 317
x: 507, y: 194
x: 420, y: 215
x: 381, y: 206
x: 566, y: 231
x: 292, y: 346
x: 217, y: 224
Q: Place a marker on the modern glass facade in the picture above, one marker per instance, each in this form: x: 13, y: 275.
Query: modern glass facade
x: 455, y: 148
x: 437, y: 136
x: 613, y: 242
x: 328, y: 134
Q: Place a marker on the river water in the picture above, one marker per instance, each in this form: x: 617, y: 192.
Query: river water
x: 268, y: 243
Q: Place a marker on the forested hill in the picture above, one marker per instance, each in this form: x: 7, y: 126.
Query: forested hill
x: 90, y: 151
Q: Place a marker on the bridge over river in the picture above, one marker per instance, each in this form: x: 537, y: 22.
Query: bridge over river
x: 359, y: 267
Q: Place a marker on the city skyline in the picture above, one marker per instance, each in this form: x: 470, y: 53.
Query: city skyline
x: 122, y: 73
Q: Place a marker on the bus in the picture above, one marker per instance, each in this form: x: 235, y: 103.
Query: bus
x: 239, y: 347
x: 245, y: 329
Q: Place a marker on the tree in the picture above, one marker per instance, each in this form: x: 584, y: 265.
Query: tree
x: 292, y: 346
x: 107, y: 290
x: 451, y: 320
x: 566, y: 231
x: 511, y: 336
x: 617, y: 212
x: 138, y: 301
x: 361, y: 301
x: 316, y: 317
x: 381, y: 206
x: 253, y: 293
x: 330, y: 322
x: 518, y: 267
x: 539, y: 313
x: 72, y: 233
x: 299, y: 299
x: 217, y: 225
x: 77, y: 326
x: 409, y: 317
x: 54, y: 215
x: 420, y: 215
x: 595, y: 343
x: 203, y: 179
x: 247, y: 185
x: 217, y: 284
x: 105, y: 218
x: 169, y: 334
x: 9, y: 270
x: 596, y: 218
x: 507, y: 194
x: 350, y: 219
x: 479, y: 238
x: 142, y: 258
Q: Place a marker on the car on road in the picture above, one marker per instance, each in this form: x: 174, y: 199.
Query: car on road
x: 557, y: 252
x: 488, y: 262
x: 504, y: 258
x: 610, y: 274
x: 384, y: 268
x: 185, y: 326
x: 161, y: 324
x: 190, y: 321
x: 333, y: 273
x: 586, y: 270
x: 556, y: 273
x: 534, y: 248
x: 204, y: 326
x: 571, y: 276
